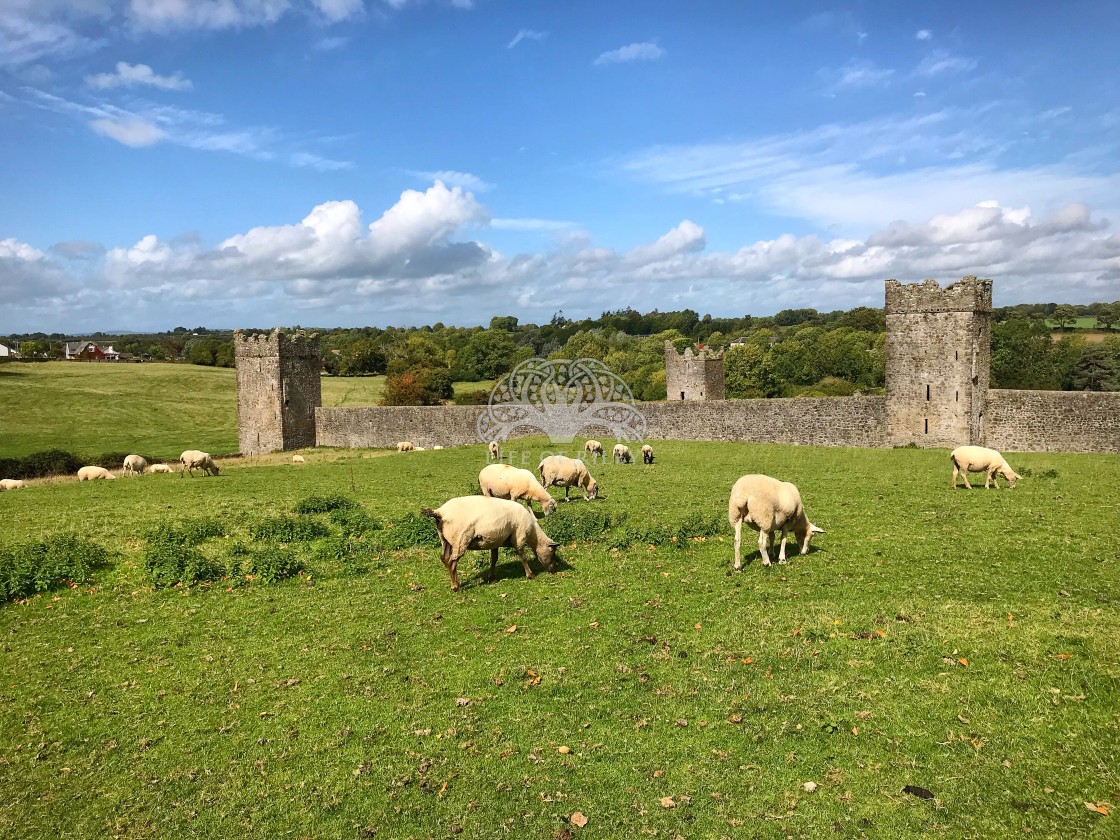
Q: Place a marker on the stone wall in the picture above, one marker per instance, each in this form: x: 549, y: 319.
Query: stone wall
x: 826, y: 421
x: 693, y: 376
x: 1053, y: 421
x: 278, y: 389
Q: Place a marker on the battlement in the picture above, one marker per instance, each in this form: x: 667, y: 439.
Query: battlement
x: 692, y: 375
x: 276, y: 343
x: 967, y: 295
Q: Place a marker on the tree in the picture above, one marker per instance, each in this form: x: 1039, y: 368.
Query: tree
x: 488, y: 354
x: 423, y: 387
x: 1064, y: 314
x: 1023, y: 355
x: 503, y: 322
x: 1098, y: 369
x: 363, y: 356
x: 1108, y: 315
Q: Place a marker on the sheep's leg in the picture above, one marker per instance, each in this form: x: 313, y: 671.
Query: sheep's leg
x: 738, y: 537
x: 782, y: 549
x: 763, y: 536
x: 493, y: 563
x: 954, y: 481
x: 452, y: 563
x: 566, y: 489
x: 524, y: 562
x: 964, y: 475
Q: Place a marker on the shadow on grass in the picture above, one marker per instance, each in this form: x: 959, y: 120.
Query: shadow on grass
x: 5, y: 370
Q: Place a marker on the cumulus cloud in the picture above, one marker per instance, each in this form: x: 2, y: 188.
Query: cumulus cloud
x: 338, y: 10
x: 131, y: 75
x: 455, y: 179
x: 526, y: 35
x: 644, y: 51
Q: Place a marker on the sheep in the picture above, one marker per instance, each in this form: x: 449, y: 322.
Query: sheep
x: 93, y: 473
x: 160, y: 468
x: 647, y: 454
x: 594, y: 448
x: 504, y: 481
x: 968, y: 459
x: 193, y: 460
x: 11, y: 484
x: 493, y: 451
x: 437, y: 447
x: 769, y: 505
x: 478, y: 522
x: 622, y: 454
x: 562, y: 471
x: 134, y: 465
x: 405, y: 446
x: 298, y: 459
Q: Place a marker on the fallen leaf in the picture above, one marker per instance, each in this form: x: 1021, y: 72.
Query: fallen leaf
x: 919, y: 792
x: 1063, y: 655
x: 809, y: 787
x: 564, y: 750
x: 667, y: 802
x: 512, y: 628
x: 578, y: 819
x: 1098, y: 808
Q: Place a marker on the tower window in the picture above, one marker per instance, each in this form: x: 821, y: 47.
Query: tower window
x: 927, y: 393
x: 682, y: 395
x: 956, y: 355
x: 927, y: 425
x: 958, y: 397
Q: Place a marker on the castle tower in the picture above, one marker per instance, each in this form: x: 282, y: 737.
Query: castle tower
x: 278, y: 390
x: 938, y: 353
x: 693, y: 376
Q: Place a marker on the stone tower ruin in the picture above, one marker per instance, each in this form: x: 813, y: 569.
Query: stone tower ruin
x: 693, y: 376
x: 278, y: 390
x: 938, y: 354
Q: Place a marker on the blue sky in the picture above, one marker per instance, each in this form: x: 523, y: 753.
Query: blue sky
x: 236, y: 163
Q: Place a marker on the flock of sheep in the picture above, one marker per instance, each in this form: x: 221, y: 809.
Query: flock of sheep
x: 496, y: 520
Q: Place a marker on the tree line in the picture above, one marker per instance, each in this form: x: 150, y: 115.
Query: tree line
x: 796, y: 352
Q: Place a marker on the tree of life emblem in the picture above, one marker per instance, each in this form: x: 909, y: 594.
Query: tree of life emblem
x: 561, y: 398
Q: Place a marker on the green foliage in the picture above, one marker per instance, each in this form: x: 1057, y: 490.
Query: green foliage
x: 287, y: 529
x: 188, y: 532
x: 410, y: 530
x: 1098, y: 369
x: 48, y: 564
x: 576, y: 522
x: 168, y: 564
x: 354, y: 521
x: 270, y: 563
x: 324, y: 504
x: 42, y: 464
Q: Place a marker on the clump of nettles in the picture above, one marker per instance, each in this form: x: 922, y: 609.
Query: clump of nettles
x: 50, y: 564
x: 172, y: 556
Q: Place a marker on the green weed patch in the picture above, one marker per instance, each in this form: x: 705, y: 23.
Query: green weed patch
x: 48, y: 564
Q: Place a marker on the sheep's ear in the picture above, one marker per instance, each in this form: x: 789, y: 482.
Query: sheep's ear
x: 553, y: 544
x: 813, y: 529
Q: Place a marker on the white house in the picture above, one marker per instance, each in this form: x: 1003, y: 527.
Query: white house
x: 7, y: 352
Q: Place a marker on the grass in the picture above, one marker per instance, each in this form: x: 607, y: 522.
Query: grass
x: 961, y: 642
x: 155, y: 409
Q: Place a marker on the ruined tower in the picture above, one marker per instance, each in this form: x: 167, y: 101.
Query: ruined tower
x: 278, y: 390
x: 693, y: 376
x: 938, y: 354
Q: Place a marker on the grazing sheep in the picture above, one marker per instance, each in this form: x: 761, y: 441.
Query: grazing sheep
x: 298, y: 459
x: 93, y: 473
x: 193, y: 460
x: 493, y: 451
x: 504, y: 481
x: 11, y: 484
x: 437, y: 446
x: 160, y: 468
x: 769, y: 505
x: 622, y: 454
x: 594, y: 448
x: 968, y: 459
x: 134, y: 465
x: 405, y: 446
x: 478, y: 522
x: 562, y: 471
x: 647, y: 454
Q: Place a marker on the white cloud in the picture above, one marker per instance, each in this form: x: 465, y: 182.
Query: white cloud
x: 526, y: 35
x: 25, y: 40
x: 923, y: 35
x: 858, y: 73
x: 130, y: 132
x: 940, y: 62
x: 171, y: 15
x: 130, y: 75
x: 645, y: 51
x: 455, y: 179
x: 338, y: 10
x: 531, y: 224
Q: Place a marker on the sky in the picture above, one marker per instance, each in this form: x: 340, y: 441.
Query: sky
x: 253, y: 163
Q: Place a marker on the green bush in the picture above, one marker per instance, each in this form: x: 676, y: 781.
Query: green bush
x: 287, y: 529
x: 324, y: 504
x: 169, y: 563
x: 50, y: 564
x: 271, y: 564
x: 189, y: 532
x: 42, y: 464
x: 355, y: 521
x: 574, y: 522
x: 412, y: 530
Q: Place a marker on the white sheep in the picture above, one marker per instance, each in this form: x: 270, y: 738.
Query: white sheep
x: 11, y: 484
x: 594, y: 448
x: 647, y: 454
x: 622, y: 454
x: 160, y: 468
x: 562, y: 471
x: 493, y: 451
x: 298, y: 459
x: 768, y: 506
x: 93, y: 474
x: 968, y: 459
x: 437, y: 447
x: 405, y: 446
x: 134, y: 465
x: 478, y: 522
x: 193, y: 459
x: 504, y: 481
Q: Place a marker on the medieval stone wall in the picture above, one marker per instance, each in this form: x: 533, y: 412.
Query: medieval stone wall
x: 693, y: 376
x: 278, y: 389
x: 1053, y: 421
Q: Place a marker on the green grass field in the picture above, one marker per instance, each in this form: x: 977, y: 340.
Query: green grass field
x: 156, y: 409
x: 964, y: 643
